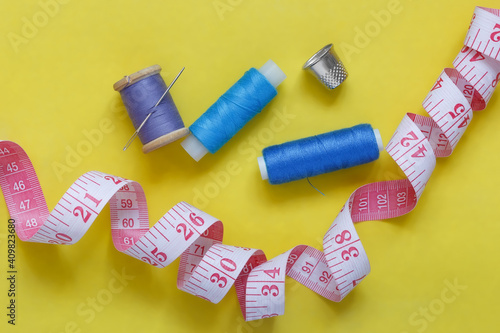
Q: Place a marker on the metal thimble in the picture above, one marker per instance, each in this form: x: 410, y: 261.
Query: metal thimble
x: 327, y: 67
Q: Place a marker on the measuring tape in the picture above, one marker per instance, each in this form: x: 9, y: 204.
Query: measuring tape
x: 208, y: 268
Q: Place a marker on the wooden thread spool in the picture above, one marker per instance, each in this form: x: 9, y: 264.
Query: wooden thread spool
x: 164, y: 139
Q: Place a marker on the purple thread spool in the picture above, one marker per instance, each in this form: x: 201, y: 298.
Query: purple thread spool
x: 140, y: 91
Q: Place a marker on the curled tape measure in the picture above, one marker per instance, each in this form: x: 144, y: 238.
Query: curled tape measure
x: 208, y: 268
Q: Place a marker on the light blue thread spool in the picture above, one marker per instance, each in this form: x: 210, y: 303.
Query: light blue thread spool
x: 320, y: 154
x: 245, y: 99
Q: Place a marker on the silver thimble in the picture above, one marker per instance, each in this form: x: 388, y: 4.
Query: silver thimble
x: 327, y: 67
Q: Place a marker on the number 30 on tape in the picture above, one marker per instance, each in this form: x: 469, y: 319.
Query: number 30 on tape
x: 208, y: 268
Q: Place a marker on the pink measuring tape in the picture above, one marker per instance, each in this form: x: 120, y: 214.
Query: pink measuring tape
x: 209, y: 268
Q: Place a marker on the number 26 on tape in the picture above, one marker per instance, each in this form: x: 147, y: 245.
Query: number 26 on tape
x: 183, y: 228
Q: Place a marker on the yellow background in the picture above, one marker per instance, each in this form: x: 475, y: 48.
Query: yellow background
x: 59, y: 84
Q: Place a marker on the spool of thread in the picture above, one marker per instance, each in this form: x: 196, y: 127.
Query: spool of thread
x: 140, y: 92
x: 320, y: 154
x: 245, y: 99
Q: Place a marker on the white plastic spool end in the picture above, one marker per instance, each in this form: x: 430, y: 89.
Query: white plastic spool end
x: 262, y: 167
x: 380, y: 143
x: 272, y: 73
x: 194, y: 147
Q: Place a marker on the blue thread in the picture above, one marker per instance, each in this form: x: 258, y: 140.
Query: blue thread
x: 139, y: 99
x: 233, y: 110
x: 320, y: 154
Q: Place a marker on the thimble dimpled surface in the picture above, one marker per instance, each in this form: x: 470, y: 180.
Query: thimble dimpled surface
x: 334, y: 77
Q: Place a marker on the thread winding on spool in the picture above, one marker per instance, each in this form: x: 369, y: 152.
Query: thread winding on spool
x: 235, y: 108
x: 320, y: 154
x: 140, y: 92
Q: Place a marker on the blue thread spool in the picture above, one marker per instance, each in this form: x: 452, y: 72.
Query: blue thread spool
x: 245, y: 99
x: 140, y: 92
x: 320, y: 154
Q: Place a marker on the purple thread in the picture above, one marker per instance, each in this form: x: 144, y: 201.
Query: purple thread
x: 140, y: 98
